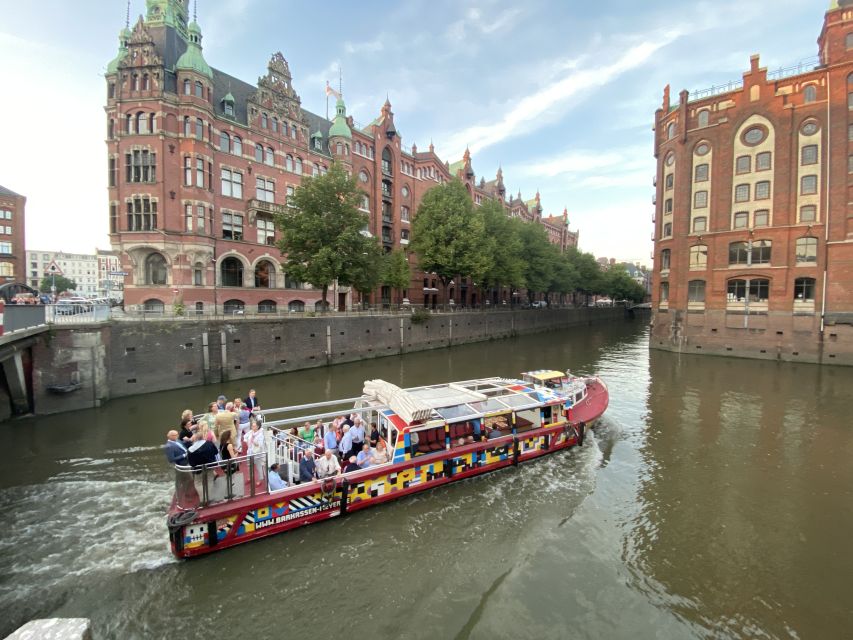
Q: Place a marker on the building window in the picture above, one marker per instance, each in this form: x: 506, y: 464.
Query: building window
x: 199, y: 129
x: 670, y: 131
x: 669, y: 180
x: 754, y: 135
x: 266, y: 231
x: 188, y: 126
x: 296, y: 306
x: 741, y: 220
x: 232, y: 226
x: 233, y: 307
x: 188, y: 217
x: 112, y: 172
x: 134, y: 82
x: 228, y: 108
x: 743, y: 164
x: 761, y: 218
x: 264, y: 275
x: 700, y: 224
x: 188, y: 88
x: 808, y: 213
x: 238, y: 146
x: 664, y: 292
x: 111, y: 90
x: 667, y: 205
x: 199, y: 172
x: 404, y: 213
x: 188, y: 171
x: 224, y: 142
x: 850, y: 132
x: 113, y: 218
x: 806, y: 250
x: 198, y: 274
x: 363, y: 177
x: 665, y: 257
x: 696, y: 291
x: 141, y: 214
x: 387, y: 161
x: 232, y: 272
x: 269, y: 157
x: 762, y: 190
x: 667, y: 230
x: 809, y: 94
x: 763, y: 161
x: 264, y: 121
x: 6, y: 248
x: 155, y: 269
x: 761, y: 250
x: 808, y: 185
x: 742, y: 193
x: 199, y: 89
x: 111, y: 129
x: 140, y: 166
x: 259, y: 152
x: 298, y: 165
x: 265, y: 189
x: 808, y: 154
x: 703, y: 118
x: 804, y: 289
x: 274, y: 124
x: 315, y: 170
x: 232, y: 183
x: 738, y: 253
x: 365, y: 203
x: 698, y: 256
x: 850, y: 163
x: 700, y: 199
x: 701, y: 173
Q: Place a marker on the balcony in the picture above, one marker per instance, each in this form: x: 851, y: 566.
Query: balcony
x: 253, y: 205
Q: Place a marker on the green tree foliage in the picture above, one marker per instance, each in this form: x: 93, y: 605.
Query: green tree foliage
x: 540, y: 258
x: 590, y: 277
x: 366, y: 269
x: 395, y: 272
x: 61, y: 282
x: 321, y: 234
x: 503, y: 242
x: 619, y: 285
x: 449, y: 235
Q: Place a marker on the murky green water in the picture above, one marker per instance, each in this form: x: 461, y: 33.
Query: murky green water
x: 715, y: 501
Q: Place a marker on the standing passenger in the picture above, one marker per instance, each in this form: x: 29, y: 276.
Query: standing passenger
x: 345, y: 446
x: 330, y: 440
x: 252, y: 401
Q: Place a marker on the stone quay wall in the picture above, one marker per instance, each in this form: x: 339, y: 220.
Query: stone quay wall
x: 124, y: 358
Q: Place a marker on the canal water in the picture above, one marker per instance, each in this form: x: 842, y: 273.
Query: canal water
x: 714, y: 501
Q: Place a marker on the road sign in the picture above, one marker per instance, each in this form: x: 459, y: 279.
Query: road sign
x: 52, y: 269
x: 123, y: 274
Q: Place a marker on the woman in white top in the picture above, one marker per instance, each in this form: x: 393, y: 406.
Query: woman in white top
x: 254, y: 440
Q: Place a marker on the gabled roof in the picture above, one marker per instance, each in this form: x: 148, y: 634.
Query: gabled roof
x: 8, y: 192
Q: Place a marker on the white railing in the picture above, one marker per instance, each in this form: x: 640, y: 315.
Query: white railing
x: 76, y: 313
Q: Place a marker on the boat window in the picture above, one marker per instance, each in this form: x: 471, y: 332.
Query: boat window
x: 519, y: 400
x: 488, y: 406
x: 458, y: 411
x: 429, y: 440
x: 528, y: 419
x: 578, y: 397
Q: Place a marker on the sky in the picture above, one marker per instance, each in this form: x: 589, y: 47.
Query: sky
x: 559, y: 93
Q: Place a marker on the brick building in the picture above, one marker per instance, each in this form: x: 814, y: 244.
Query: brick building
x: 12, y: 236
x: 199, y: 162
x: 754, y: 215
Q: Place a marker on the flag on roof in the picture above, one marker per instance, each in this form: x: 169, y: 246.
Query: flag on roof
x: 331, y: 92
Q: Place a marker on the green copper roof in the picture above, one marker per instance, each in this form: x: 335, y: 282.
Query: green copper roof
x: 123, y: 37
x: 192, y: 59
x: 340, y: 128
x: 456, y: 166
x: 317, y: 134
x: 229, y: 97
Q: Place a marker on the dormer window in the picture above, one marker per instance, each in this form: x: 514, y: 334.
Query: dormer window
x: 229, y: 109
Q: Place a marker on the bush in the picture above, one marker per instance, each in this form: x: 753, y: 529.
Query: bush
x: 420, y: 316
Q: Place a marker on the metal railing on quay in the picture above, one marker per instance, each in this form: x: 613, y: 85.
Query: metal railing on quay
x: 77, y: 313
x: 222, y: 481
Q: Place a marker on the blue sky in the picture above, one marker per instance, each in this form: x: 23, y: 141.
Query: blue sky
x: 562, y: 94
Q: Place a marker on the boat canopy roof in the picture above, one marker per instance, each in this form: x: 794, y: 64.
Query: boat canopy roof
x: 544, y: 374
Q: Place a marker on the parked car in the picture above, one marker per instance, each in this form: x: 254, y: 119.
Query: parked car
x: 25, y: 298
x: 540, y: 304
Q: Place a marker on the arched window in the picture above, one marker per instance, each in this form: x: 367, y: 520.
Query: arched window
x: 267, y: 306
x: 153, y: 306
x: 298, y: 165
x: 232, y: 272
x: 703, y: 118
x: 339, y: 148
x: 141, y: 123
x: 134, y: 82
x: 319, y: 306
x: 806, y: 250
x: 237, y: 146
x: 274, y: 124
x: 264, y: 121
x: 155, y: 269
x: 188, y: 126
x: 234, y: 307
x: 224, y: 142
x: 363, y: 177
x: 198, y: 274
x: 665, y: 260
x: 188, y: 88
x: 259, y: 152
x: 128, y: 123
x: 315, y: 170
x: 111, y: 129
x: 699, y: 256
x: 264, y: 275
x: 288, y: 162
x: 145, y: 82
x: 199, y: 128
x: 296, y: 306
x: 804, y: 290
x: 269, y: 156
x: 387, y: 161
x: 670, y: 131
x: 809, y: 94
x: 199, y: 89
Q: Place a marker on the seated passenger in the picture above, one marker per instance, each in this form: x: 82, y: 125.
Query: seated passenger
x: 352, y: 465
x: 380, y: 454
x: 307, y: 469
x: 328, y: 466
x: 494, y: 433
x: 365, y: 457
x: 469, y: 440
x: 460, y: 442
x: 275, y: 481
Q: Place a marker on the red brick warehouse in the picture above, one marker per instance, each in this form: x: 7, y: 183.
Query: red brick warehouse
x: 200, y: 161
x: 754, y: 216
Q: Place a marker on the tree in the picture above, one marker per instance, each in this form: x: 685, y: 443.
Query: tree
x: 565, y: 279
x: 322, y: 233
x: 61, y: 282
x: 503, y: 242
x: 619, y: 285
x: 395, y: 271
x: 367, y: 269
x: 448, y: 234
x: 540, y: 257
x: 590, y: 277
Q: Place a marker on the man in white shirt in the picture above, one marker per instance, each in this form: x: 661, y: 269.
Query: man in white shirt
x: 328, y: 466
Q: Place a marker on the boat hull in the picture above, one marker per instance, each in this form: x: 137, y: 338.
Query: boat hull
x: 227, y: 524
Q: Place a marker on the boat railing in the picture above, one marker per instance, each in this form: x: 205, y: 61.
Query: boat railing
x: 204, y: 485
x: 288, y: 451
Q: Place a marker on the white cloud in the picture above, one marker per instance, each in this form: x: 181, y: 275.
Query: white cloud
x: 474, y: 22
x: 370, y: 46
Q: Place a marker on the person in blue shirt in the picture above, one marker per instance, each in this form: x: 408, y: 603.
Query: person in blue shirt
x: 176, y: 453
x: 346, y: 443
x: 307, y: 468
x: 330, y: 440
x: 365, y: 457
x: 275, y: 480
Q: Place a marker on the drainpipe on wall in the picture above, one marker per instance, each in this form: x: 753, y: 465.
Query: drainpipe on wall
x: 826, y: 212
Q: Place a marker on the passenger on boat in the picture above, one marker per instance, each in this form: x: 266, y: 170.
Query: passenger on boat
x: 350, y: 420
x: 494, y: 433
x: 330, y: 440
x: 374, y: 435
x: 243, y: 416
x: 319, y: 446
x: 224, y: 421
x: 221, y: 402
x: 328, y: 466
x: 255, y: 447
x: 460, y: 442
x: 210, y: 416
x: 357, y: 432
x: 226, y: 449
x: 275, y: 481
x: 307, y: 432
x: 380, y: 454
x: 201, y: 453
x: 176, y: 453
x: 414, y: 439
x: 345, y: 446
x: 252, y: 401
x: 307, y: 468
x: 186, y: 433
x: 469, y: 440
x: 365, y: 457
x: 352, y: 465
x: 205, y: 432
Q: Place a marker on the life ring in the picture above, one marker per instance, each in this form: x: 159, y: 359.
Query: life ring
x: 179, y: 520
x: 327, y: 488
